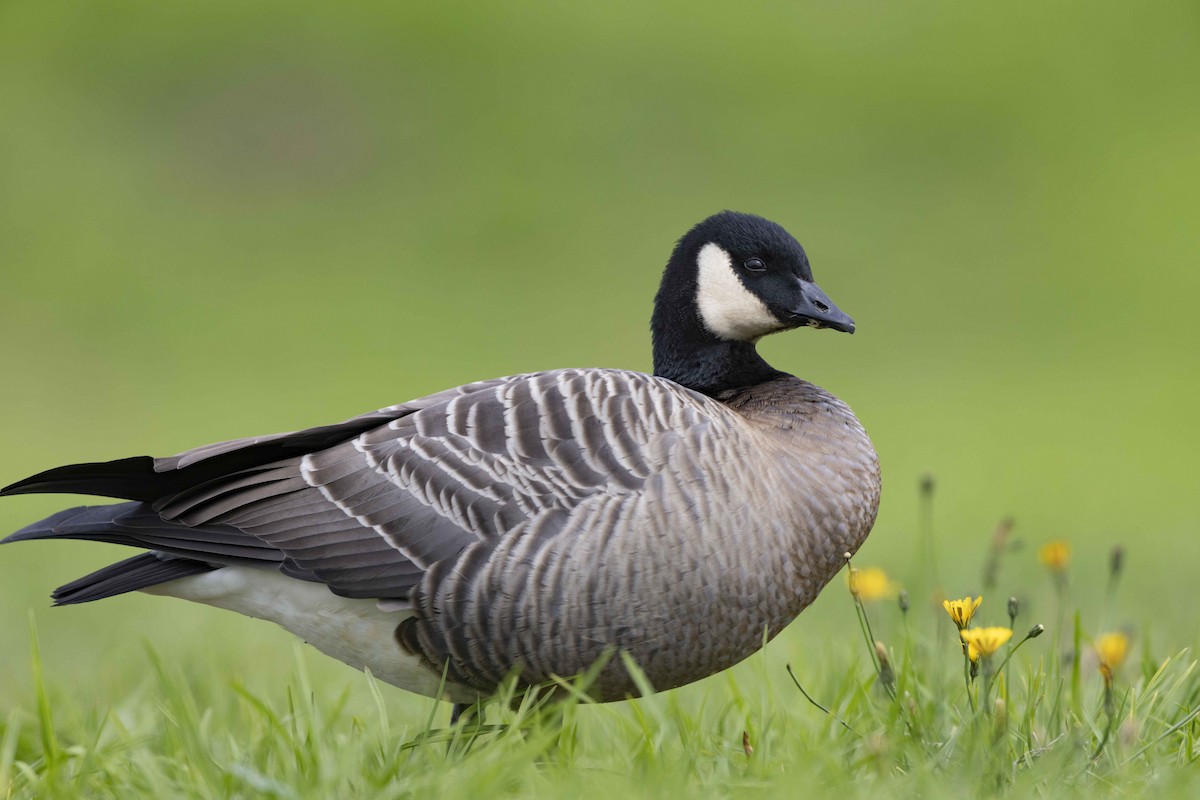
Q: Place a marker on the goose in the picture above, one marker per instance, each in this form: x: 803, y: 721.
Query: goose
x: 529, y: 526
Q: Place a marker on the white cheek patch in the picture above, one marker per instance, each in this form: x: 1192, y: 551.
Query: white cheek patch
x: 728, y: 309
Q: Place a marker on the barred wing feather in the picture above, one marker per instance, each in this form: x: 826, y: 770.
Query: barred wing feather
x: 370, y: 515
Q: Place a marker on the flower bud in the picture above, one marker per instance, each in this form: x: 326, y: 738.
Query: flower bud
x: 1116, y: 561
x: 886, y: 675
x: 999, y: 717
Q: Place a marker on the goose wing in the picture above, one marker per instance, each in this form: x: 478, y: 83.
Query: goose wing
x: 369, y: 505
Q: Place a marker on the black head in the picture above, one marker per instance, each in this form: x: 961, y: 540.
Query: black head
x: 731, y: 280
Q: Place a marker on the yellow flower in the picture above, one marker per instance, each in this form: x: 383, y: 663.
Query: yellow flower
x: 1055, y: 555
x: 961, y: 611
x: 1111, y: 649
x: 872, y: 583
x: 984, y: 641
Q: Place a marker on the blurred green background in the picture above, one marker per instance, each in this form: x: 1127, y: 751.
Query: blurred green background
x: 222, y: 219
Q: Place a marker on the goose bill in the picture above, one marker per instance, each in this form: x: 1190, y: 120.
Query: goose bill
x: 816, y: 310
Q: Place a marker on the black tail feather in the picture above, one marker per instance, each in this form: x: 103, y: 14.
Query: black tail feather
x: 77, y: 520
x: 139, y: 572
x: 177, y: 549
x: 138, y: 525
x: 151, y: 479
x: 128, y: 478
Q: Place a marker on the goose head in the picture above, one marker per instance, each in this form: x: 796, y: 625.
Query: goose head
x: 731, y: 280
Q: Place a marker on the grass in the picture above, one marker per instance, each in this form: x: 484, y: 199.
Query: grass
x: 897, y: 712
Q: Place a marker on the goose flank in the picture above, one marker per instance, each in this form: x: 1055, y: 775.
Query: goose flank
x: 530, y: 524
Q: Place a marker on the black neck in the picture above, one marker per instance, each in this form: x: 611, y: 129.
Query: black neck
x: 712, y: 369
x: 687, y: 352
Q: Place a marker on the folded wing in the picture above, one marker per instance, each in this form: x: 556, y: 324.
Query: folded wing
x: 369, y: 505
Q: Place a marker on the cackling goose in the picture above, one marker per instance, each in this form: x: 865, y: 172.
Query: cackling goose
x: 528, y: 524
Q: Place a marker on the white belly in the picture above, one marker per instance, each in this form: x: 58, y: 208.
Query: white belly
x: 355, y: 632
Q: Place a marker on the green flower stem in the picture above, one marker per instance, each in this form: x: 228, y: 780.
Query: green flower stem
x: 967, y: 676
x: 1034, y: 632
x: 865, y: 623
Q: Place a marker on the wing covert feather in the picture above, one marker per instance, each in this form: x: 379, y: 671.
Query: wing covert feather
x: 370, y: 515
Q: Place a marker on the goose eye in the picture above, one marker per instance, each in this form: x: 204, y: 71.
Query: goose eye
x: 755, y: 265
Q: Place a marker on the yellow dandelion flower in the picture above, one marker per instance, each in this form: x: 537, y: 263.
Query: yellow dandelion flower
x: 961, y: 611
x: 872, y: 583
x: 984, y: 641
x: 1111, y: 649
x: 1055, y: 555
